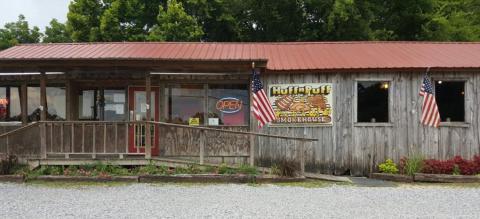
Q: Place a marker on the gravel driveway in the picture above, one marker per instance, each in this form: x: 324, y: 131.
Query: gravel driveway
x: 236, y: 201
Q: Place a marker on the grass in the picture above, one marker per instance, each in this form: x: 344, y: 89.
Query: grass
x: 310, y: 183
x: 73, y: 185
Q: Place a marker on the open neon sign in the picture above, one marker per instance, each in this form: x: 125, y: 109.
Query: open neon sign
x: 229, y: 105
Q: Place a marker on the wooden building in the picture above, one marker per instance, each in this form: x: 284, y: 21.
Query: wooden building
x: 359, y: 100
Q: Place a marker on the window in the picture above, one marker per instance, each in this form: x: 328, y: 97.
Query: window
x: 450, y: 97
x: 228, y: 105
x: 10, y: 104
x: 185, y: 103
x: 372, y: 101
x: 109, y: 108
x: 114, y: 105
x: 86, y: 105
x: 56, y: 103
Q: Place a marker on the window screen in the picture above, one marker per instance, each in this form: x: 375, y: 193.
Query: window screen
x: 450, y: 97
x: 372, y: 101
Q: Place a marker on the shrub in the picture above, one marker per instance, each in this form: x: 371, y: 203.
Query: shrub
x: 247, y: 169
x: 457, y: 165
x: 411, y: 165
x: 275, y: 170
x: 224, y: 169
x: 70, y: 171
x: 388, y: 167
x: 288, y: 168
x: 209, y: 169
x: 8, y: 164
x: 151, y: 169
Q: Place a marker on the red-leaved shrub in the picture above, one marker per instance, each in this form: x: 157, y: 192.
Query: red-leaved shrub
x: 466, y: 167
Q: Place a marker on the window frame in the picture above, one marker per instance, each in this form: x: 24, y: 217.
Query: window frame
x: 53, y: 84
x: 390, y: 102
x: 9, y: 87
x: 465, y: 80
x: 205, y: 85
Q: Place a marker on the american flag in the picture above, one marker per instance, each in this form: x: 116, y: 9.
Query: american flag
x: 262, y: 109
x: 430, y: 114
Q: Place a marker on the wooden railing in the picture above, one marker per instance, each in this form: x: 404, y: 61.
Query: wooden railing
x: 21, y: 141
x: 202, y: 141
x: 96, y: 138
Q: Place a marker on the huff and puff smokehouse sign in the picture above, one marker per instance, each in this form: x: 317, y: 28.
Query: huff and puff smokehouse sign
x: 302, y: 104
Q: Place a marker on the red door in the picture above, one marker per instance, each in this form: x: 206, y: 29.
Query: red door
x: 137, y: 106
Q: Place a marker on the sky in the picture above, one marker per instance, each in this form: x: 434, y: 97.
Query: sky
x: 37, y: 12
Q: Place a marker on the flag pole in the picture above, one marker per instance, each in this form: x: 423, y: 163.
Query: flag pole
x: 252, y: 120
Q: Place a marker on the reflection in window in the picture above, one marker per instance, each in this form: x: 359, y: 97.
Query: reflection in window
x: 56, y: 103
x: 10, y: 104
x: 372, y: 101
x: 228, y: 105
x: 86, y: 105
x: 450, y: 97
x: 184, y: 102
x: 114, y: 109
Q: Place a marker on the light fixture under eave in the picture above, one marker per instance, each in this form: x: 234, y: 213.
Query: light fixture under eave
x: 440, y: 82
x: 55, y: 73
x: 385, y: 85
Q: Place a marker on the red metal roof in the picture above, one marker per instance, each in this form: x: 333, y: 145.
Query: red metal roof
x: 279, y: 56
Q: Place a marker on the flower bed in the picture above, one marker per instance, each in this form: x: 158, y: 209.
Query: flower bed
x: 418, y: 169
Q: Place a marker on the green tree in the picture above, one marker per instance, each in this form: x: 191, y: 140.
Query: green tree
x: 400, y: 19
x: 453, y: 20
x: 174, y: 24
x: 128, y: 20
x: 349, y: 20
x: 83, y: 20
x: 271, y: 20
x: 18, y: 32
x: 56, y: 33
x: 220, y: 19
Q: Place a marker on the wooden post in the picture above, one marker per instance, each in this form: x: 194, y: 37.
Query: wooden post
x: 302, y: 154
x: 203, y: 141
x: 252, y: 150
x: 302, y: 157
x: 43, y: 97
x: 23, y: 102
x: 252, y: 124
x: 43, y: 116
x: 68, y: 100
x: 148, y: 137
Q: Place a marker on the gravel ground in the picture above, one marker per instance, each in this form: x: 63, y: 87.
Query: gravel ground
x: 236, y: 201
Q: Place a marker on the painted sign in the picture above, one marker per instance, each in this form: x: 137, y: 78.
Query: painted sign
x: 229, y: 105
x: 301, y: 104
x: 194, y: 121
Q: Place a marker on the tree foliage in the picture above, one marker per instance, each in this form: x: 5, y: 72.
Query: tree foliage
x: 56, y: 33
x: 256, y: 20
x: 18, y: 32
x: 174, y: 24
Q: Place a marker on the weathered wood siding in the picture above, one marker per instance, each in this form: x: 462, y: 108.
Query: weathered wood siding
x: 349, y: 147
x: 182, y: 142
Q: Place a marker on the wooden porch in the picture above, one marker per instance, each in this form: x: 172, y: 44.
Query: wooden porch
x: 71, y: 142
